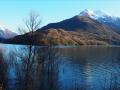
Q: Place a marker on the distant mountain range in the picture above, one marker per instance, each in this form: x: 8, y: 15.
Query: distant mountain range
x: 6, y: 33
x: 87, y: 28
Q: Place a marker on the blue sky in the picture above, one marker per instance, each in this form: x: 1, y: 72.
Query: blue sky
x: 12, y: 12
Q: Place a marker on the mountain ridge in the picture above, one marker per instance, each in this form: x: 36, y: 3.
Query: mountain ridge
x: 78, y: 30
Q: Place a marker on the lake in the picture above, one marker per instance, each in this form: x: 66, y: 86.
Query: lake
x: 59, y: 68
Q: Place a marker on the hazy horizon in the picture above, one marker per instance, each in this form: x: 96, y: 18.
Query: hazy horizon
x: 14, y: 11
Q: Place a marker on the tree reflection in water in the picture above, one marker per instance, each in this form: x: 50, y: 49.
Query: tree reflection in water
x: 3, y: 72
x: 39, y: 68
x: 35, y: 67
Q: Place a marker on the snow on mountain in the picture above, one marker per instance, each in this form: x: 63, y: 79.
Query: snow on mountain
x: 103, y: 17
x: 6, y: 33
x: 94, y: 14
x: 87, y: 12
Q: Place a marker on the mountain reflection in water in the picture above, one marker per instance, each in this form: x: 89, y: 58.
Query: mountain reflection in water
x: 59, y: 68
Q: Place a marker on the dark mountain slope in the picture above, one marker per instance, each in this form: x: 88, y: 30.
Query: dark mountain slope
x: 79, y: 30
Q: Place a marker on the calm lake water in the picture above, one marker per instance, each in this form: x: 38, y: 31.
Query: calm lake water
x: 60, y: 68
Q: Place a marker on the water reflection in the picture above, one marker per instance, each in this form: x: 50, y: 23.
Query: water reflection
x: 59, y: 68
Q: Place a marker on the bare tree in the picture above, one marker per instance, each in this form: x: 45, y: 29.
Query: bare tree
x: 27, y: 53
x: 32, y: 23
x: 35, y: 63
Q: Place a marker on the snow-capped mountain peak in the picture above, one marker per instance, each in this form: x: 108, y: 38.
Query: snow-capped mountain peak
x: 103, y: 17
x: 86, y: 12
x: 94, y: 14
x: 2, y: 27
x: 6, y: 33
